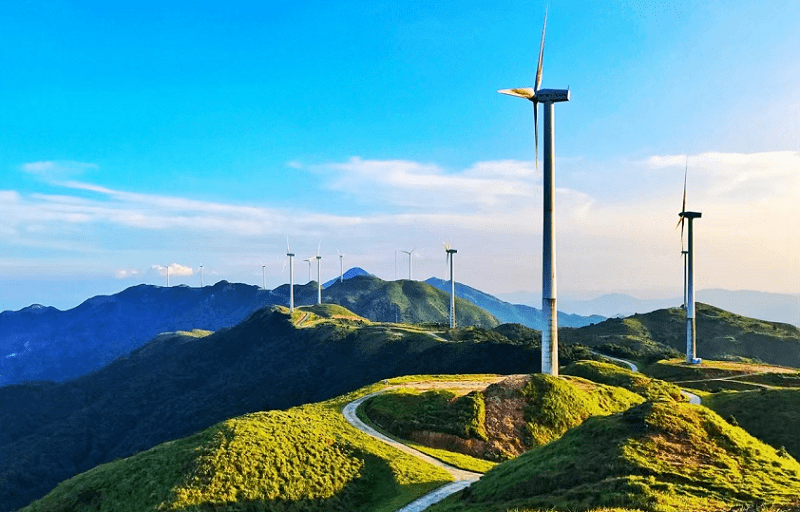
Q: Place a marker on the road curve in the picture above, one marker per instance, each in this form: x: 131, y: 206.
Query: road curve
x: 693, y: 399
x: 463, y: 478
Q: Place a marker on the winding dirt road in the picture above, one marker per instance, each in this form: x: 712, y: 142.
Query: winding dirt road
x: 463, y: 478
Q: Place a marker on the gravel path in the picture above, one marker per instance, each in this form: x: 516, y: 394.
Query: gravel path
x: 463, y: 478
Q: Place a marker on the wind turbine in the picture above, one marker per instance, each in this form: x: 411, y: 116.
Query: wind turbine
x: 290, y: 255
x: 548, y: 98
x: 409, y: 261
x: 167, y: 276
x: 691, y: 336
x: 319, y: 281
x: 263, y: 276
x: 309, y: 268
x: 201, y: 276
x: 449, y: 259
x: 341, y: 266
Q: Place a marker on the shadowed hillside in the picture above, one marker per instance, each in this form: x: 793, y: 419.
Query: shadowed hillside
x: 180, y: 384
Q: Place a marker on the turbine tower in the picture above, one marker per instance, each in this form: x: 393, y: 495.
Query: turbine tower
x: 263, y: 276
x: 167, y: 276
x: 290, y: 255
x: 201, y: 276
x: 319, y: 282
x: 409, y: 261
x: 449, y: 259
x: 341, y: 266
x: 309, y: 268
x: 548, y: 98
x: 691, y: 335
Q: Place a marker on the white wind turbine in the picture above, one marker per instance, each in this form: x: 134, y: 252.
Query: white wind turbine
x: 449, y: 259
x: 201, y: 276
x: 341, y: 266
x: 263, y: 276
x: 309, y: 268
x: 168, y: 276
x: 319, y: 281
x: 290, y: 255
x: 691, y: 336
x: 548, y: 97
x: 410, y: 253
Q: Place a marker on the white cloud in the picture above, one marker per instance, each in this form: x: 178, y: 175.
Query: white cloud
x: 175, y: 269
x: 125, y: 273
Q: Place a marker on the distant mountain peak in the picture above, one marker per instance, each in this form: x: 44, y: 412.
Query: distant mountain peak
x: 353, y: 272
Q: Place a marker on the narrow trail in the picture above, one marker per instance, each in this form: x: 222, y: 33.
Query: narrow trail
x: 693, y: 399
x: 463, y: 478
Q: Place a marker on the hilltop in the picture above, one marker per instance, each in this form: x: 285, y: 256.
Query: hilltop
x: 720, y: 335
x: 658, y: 456
x: 181, y: 383
x: 302, y: 459
x: 40, y: 343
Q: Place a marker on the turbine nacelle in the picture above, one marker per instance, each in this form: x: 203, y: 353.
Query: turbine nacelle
x: 690, y: 215
x: 542, y: 95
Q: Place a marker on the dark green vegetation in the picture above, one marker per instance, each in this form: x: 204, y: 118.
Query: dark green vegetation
x: 511, y: 313
x: 720, y: 335
x: 612, y: 375
x: 302, y: 459
x: 658, y: 456
x: 499, y: 422
x: 178, y: 385
x: 404, y: 411
x: 401, y: 301
x: 713, y: 376
x: 772, y: 415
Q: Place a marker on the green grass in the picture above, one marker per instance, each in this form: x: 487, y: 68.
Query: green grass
x: 303, y: 459
x: 403, y: 411
x: 656, y: 457
x: 772, y: 415
x: 613, y: 375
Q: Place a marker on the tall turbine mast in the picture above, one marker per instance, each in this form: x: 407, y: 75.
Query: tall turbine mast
x: 309, y: 268
x: 201, y: 276
x: 263, y: 276
x: 319, y: 281
x: 548, y: 97
x: 341, y: 266
x: 449, y: 258
x: 409, y: 261
x: 691, y: 335
x: 290, y: 255
x: 167, y: 276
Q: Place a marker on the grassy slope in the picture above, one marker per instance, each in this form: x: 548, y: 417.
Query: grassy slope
x: 613, y: 375
x: 720, y: 335
x: 553, y: 406
x: 659, y: 456
x: 303, y: 459
x: 772, y: 415
x: 403, y: 300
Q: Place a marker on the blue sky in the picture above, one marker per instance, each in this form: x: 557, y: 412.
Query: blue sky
x: 136, y: 137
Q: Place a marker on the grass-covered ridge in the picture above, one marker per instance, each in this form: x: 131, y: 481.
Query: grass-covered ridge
x: 772, y: 415
x: 303, y: 459
x: 658, y: 456
x: 613, y: 375
x: 499, y: 422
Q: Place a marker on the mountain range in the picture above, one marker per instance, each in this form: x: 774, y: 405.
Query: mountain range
x: 44, y: 343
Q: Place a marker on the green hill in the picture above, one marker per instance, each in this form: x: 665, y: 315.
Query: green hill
x: 303, y: 459
x: 720, y: 335
x: 180, y: 384
x: 500, y: 422
x: 613, y: 375
x: 401, y: 301
x: 772, y: 415
x: 658, y: 456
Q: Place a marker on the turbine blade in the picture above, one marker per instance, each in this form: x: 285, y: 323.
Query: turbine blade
x: 541, y: 56
x: 287, y: 246
x: 520, y: 92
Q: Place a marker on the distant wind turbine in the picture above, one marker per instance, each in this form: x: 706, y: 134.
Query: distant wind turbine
x: 201, y: 276
x: 548, y: 97
x: 319, y: 281
x: 341, y: 266
x: 409, y: 261
x: 290, y: 255
x: 449, y: 259
x: 263, y: 276
x: 167, y: 276
x: 691, y: 336
x: 309, y: 268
